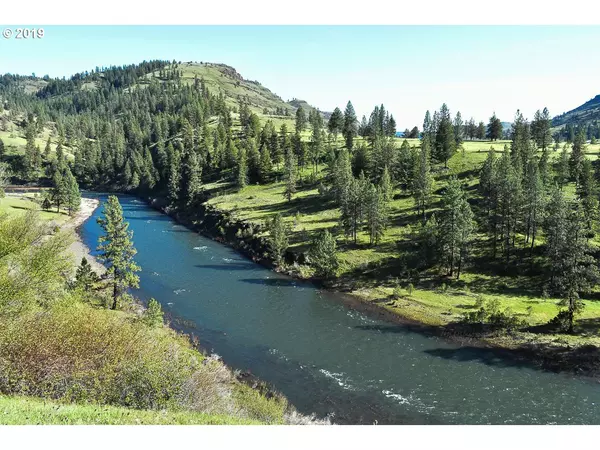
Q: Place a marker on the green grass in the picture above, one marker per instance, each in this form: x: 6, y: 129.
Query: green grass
x: 33, y: 411
x: 21, y: 203
x: 308, y: 213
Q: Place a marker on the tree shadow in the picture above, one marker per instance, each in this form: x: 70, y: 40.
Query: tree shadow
x: 276, y: 282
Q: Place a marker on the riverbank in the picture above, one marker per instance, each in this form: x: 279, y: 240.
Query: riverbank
x: 525, y: 347
x: 259, y: 388
x: 78, y: 248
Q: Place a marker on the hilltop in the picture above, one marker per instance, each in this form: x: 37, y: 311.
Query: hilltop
x: 588, y: 112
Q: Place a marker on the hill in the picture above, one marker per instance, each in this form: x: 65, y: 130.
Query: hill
x: 582, y: 115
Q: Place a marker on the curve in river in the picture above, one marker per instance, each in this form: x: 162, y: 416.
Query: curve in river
x: 326, y: 358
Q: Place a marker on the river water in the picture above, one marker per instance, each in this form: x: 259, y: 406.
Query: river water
x: 327, y: 358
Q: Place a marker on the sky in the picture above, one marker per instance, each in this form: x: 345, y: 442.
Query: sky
x: 477, y: 70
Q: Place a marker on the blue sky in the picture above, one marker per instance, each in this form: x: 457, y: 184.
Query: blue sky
x: 474, y: 69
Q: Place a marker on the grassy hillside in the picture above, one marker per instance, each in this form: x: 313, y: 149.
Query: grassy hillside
x: 34, y: 411
x: 371, y: 271
x: 59, y: 341
x: 20, y: 204
x: 587, y: 112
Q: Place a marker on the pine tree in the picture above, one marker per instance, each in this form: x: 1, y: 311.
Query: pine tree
x: 375, y: 213
x: 190, y: 180
x: 153, y: 315
x: 350, y: 125
x: 290, y: 174
x: 2, y: 149
x: 242, y: 170
x: 47, y: 150
x: 488, y: 188
x: 342, y: 177
x: 278, y: 238
x: 265, y: 165
x: 174, y: 179
x: 300, y: 120
x: 352, y: 209
x: 428, y: 126
x: 85, y: 277
x: 72, y: 197
x: 117, y: 250
x: 456, y: 226
x: 573, y: 270
x: 58, y: 192
x: 445, y: 142
x: 480, y: 131
x: 577, y: 156
x: 534, y: 201
x: 323, y: 255
x: 510, y: 200
x: 336, y: 122
x: 563, y: 170
x: 316, y: 140
x: 540, y: 129
x: 362, y: 160
x: 422, y: 186
x: 494, y: 129
x: 587, y: 193
x: 458, y: 129
x: 428, y: 240
x: 386, y: 186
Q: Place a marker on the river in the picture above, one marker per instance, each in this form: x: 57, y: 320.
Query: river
x: 327, y: 358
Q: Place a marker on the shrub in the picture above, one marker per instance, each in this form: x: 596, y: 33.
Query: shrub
x: 153, y: 314
x: 489, y: 313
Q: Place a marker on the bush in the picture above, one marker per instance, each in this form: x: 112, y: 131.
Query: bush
x: 153, y: 314
x: 489, y: 313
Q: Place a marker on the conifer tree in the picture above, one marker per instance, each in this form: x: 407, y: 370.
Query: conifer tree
x: 573, y: 270
x: 361, y: 161
x: 534, y: 204
x: 510, y: 200
x: 71, y: 190
x: 265, y: 165
x: 353, y: 207
x: 47, y: 150
x: 58, y: 192
x: 587, y: 193
x: 577, y: 156
x: 428, y: 239
x: 375, y: 213
x: 323, y: 255
x: 350, y: 125
x: 540, y: 129
x: 174, y: 179
x: 563, y: 170
x: 336, y: 123
x: 422, y: 186
x: 290, y: 174
x: 85, y: 277
x: 300, y: 120
x: 190, y: 177
x: 456, y: 227
x: 494, y: 129
x: 342, y: 176
x: 458, y: 129
x: 488, y: 188
x: 242, y: 170
x: 278, y: 238
x: 386, y: 186
x: 117, y: 250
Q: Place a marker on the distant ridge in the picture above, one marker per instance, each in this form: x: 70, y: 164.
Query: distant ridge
x: 588, y: 112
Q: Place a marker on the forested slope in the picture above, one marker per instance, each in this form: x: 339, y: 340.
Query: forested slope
x: 456, y: 227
